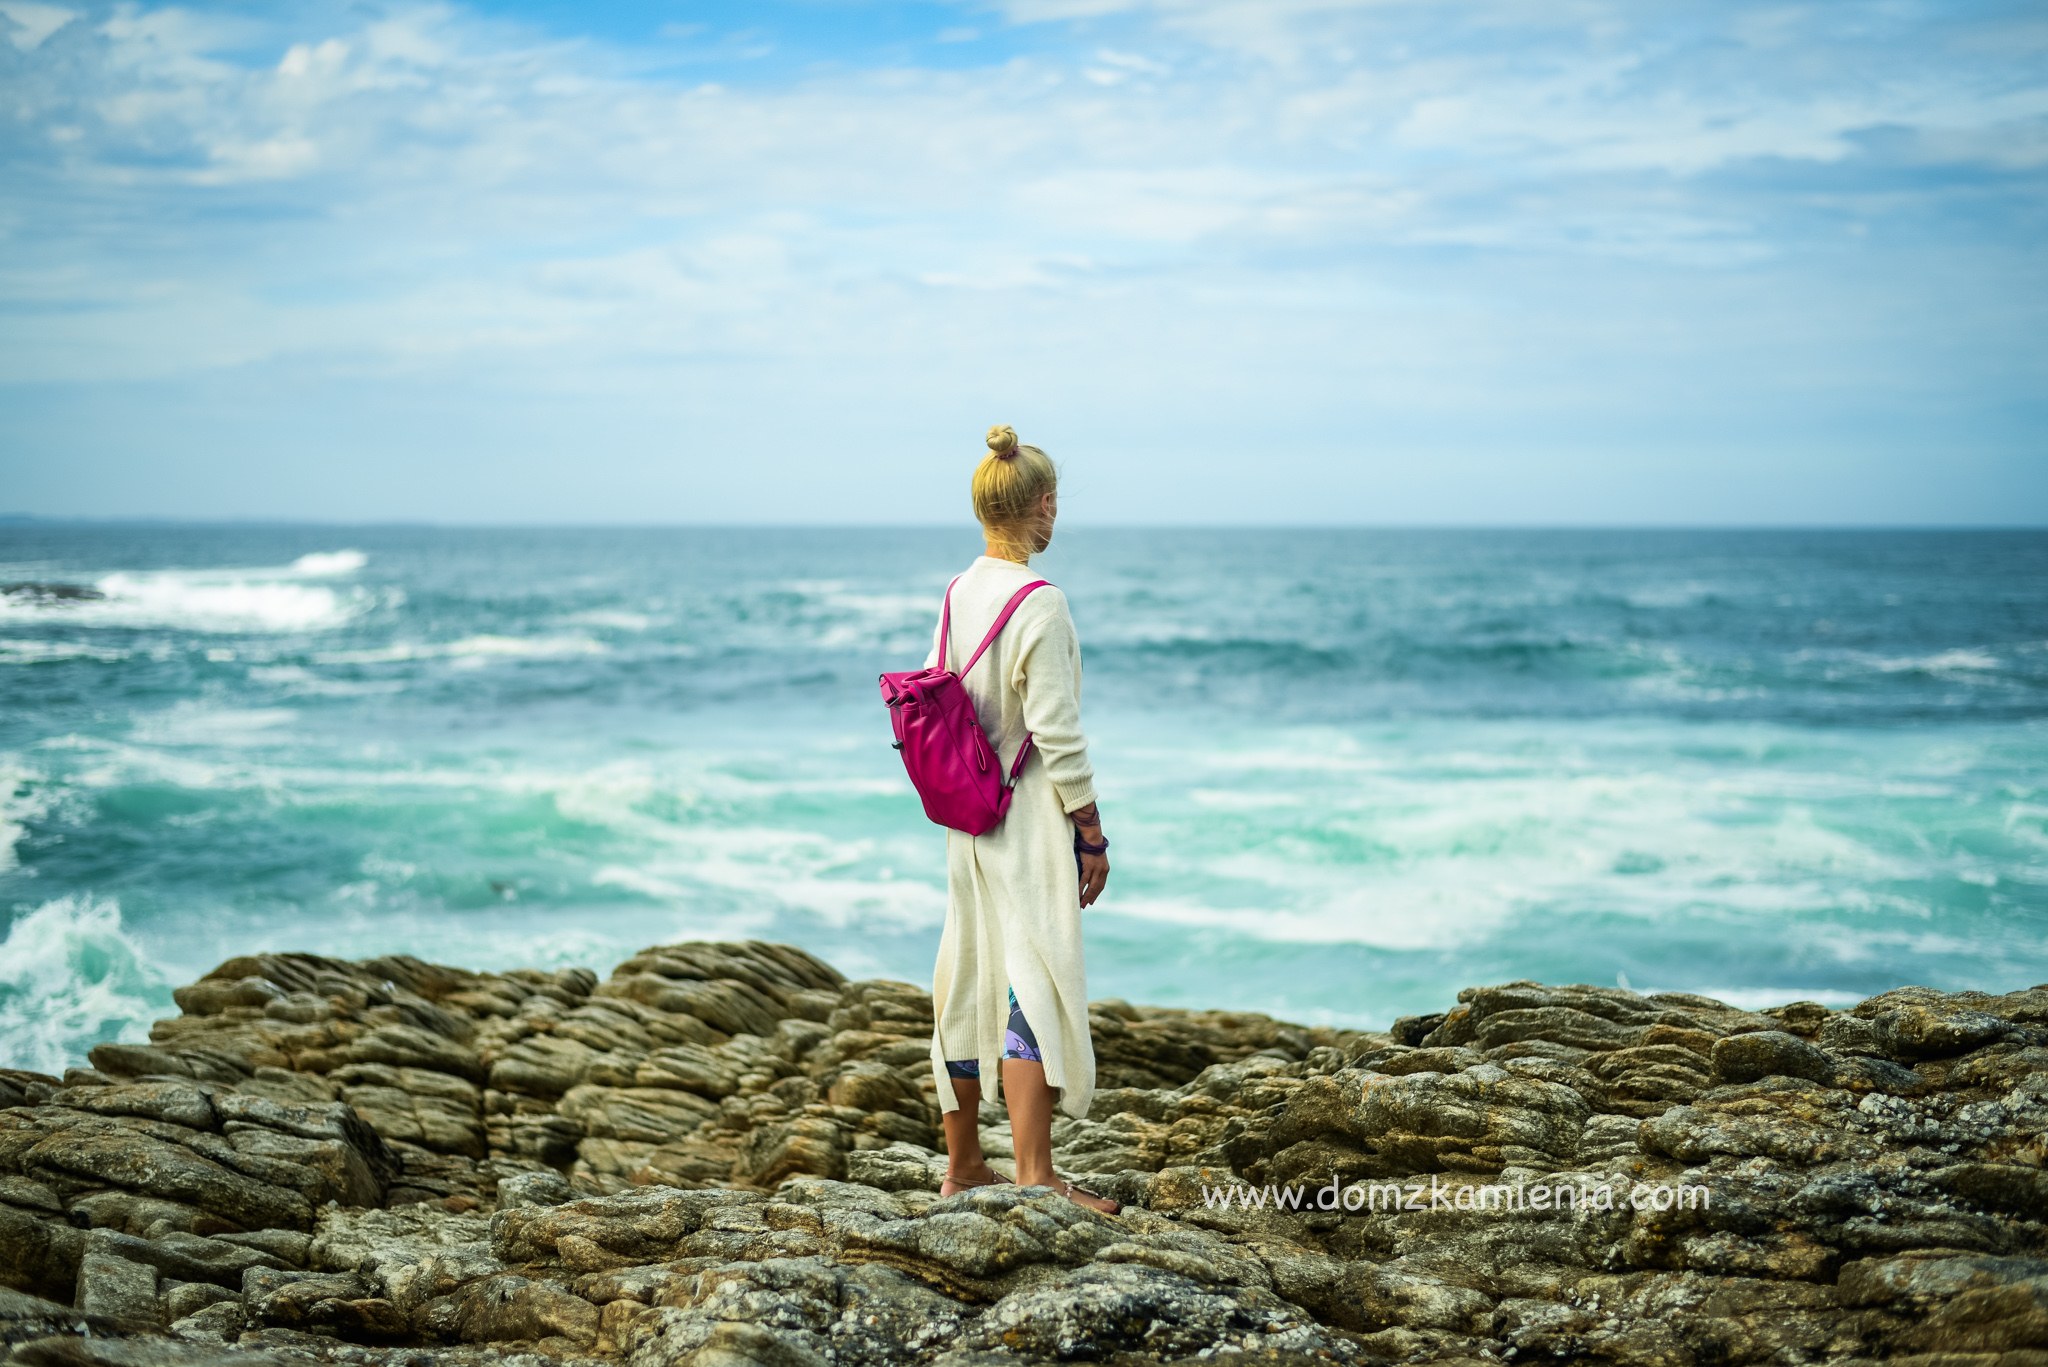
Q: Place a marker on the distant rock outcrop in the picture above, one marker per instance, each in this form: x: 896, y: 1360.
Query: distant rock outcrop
x: 725, y: 1154
x: 36, y: 591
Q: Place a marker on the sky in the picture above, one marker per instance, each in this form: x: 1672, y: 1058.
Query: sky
x: 1455, y: 262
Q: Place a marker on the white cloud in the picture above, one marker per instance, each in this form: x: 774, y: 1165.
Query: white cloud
x: 32, y: 23
x: 1340, y: 200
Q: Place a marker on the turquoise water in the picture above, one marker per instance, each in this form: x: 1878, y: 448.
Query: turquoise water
x: 1346, y: 772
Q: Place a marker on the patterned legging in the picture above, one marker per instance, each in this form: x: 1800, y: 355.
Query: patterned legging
x: 1018, y: 1042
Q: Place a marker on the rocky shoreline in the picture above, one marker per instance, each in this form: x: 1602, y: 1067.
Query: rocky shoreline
x: 727, y: 1154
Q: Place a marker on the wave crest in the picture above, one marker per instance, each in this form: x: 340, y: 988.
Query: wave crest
x: 71, y: 978
x: 264, y: 599
x: 320, y: 564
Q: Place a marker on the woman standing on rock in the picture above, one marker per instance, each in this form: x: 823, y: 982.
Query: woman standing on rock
x: 1009, y: 991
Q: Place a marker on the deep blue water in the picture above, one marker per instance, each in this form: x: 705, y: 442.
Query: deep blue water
x: 1346, y: 772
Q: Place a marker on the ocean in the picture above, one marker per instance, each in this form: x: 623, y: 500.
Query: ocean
x: 1345, y: 772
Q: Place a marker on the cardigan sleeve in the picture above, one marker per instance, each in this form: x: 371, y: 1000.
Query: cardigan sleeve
x: 1047, y: 675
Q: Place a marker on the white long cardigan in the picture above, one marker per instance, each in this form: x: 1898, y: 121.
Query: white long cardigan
x: 1013, y: 905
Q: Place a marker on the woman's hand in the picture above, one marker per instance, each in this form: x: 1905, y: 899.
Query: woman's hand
x: 1094, y: 873
x: 1094, y: 868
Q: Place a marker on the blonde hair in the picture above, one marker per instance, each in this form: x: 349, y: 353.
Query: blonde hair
x: 1007, y: 487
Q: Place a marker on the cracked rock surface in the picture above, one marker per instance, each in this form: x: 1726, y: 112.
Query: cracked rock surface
x: 728, y: 1154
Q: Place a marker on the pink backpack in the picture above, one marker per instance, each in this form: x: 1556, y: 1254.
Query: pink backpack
x: 951, y: 763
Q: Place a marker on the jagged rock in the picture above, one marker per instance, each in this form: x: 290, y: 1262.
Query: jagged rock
x: 533, y: 1189
x: 99, y: 1352
x: 111, y: 1287
x: 39, y: 1252
x: 505, y: 1307
x: 968, y: 1245
x: 729, y: 1153
x: 648, y: 1114
x: 1769, y: 1053
x: 171, y: 1103
x: 1100, y: 1311
x: 636, y: 1227
x: 432, y: 1109
x: 718, y: 1343
x: 344, y: 1304
x: 88, y: 1153
x: 899, y: 1167
x: 49, y: 591
x: 289, y: 1247
x: 221, y: 1323
x: 184, y: 1299
x: 25, y: 1318
x: 410, y: 1258
x: 1918, y: 1023
x: 186, y: 1257
x: 20, y: 1088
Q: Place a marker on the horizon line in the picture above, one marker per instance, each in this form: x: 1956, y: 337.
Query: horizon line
x: 15, y: 519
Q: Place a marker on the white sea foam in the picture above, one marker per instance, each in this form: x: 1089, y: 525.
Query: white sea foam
x: 21, y: 801
x: 376, y: 655
x: 1141, y: 631
x: 611, y: 619
x: 181, y: 600
x: 860, y: 618
x: 2026, y: 821
x: 212, y: 600
x: 34, y: 652
x: 1434, y: 845
x: 1325, y: 754
x: 843, y: 903
x: 1947, y: 661
x: 1426, y: 837
x: 103, y: 764
x: 727, y: 858
x: 1963, y: 662
x: 483, y: 647
x: 189, y: 723
x: 470, y: 652
x: 322, y: 564
x: 641, y: 881
x: 1231, y: 800
x: 775, y: 868
x: 71, y: 977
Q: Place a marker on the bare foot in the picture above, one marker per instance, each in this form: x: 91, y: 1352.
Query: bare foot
x: 1081, y: 1196
x: 959, y: 1182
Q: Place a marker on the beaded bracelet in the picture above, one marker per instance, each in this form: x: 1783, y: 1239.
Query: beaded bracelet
x: 1086, y: 848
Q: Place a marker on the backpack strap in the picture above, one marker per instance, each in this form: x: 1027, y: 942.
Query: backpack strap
x: 1023, y: 753
x: 946, y: 622
x: 1002, y: 619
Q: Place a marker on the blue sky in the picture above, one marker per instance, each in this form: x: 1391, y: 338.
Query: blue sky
x: 1271, y: 261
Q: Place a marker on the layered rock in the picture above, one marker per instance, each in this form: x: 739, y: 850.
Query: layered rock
x: 727, y: 1153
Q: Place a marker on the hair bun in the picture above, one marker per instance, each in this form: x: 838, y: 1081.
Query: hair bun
x: 1002, y: 441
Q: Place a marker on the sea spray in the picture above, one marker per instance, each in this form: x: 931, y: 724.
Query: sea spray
x: 1348, y: 772
x: 70, y: 978
x: 21, y: 797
